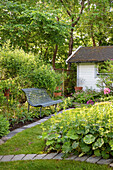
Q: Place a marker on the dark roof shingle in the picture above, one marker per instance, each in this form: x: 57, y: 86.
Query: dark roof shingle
x: 91, y: 54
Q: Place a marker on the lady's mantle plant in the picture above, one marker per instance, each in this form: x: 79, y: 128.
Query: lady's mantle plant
x: 82, y: 131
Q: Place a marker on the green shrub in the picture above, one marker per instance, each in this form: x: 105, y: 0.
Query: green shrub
x: 24, y: 70
x: 4, y: 126
x: 88, y: 94
x: 82, y: 131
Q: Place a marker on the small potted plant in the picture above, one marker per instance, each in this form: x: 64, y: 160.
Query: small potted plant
x: 78, y: 88
x: 80, y: 82
x: 58, y: 91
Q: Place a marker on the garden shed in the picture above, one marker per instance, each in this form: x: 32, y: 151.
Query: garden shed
x: 87, y: 60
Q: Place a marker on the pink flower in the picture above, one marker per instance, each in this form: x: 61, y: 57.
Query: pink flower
x: 106, y: 91
x: 90, y: 102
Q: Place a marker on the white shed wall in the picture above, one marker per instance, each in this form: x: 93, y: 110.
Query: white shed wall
x: 87, y: 75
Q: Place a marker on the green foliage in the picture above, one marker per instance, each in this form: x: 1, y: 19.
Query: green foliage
x: 88, y: 94
x: 4, y: 126
x: 87, y: 131
x: 106, y: 75
x: 20, y: 70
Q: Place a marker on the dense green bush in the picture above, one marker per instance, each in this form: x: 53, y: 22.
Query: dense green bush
x: 21, y: 70
x: 4, y: 126
x: 82, y: 131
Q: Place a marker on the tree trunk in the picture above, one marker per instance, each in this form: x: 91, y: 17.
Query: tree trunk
x: 71, y: 43
x: 55, y: 51
x: 93, y: 40
x: 54, y: 56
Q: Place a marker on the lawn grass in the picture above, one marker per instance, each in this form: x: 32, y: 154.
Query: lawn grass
x: 51, y: 165
x: 25, y: 142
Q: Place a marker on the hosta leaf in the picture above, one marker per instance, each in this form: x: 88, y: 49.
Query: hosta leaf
x: 72, y: 134
x: 88, y: 139
x: 111, y: 144
x: 97, y: 152
x: 99, y: 142
x: 75, y: 145
x: 66, y: 147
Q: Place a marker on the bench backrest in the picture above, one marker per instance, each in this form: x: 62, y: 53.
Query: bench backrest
x: 36, y: 96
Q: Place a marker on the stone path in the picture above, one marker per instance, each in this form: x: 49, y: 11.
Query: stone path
x: 58, y: 156
x: 6, y: 158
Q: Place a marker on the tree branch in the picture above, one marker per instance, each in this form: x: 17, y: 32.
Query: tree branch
x: 65, y: 8
x: 81, y: 11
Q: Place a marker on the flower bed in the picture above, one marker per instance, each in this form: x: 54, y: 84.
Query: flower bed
x: 82, y: 131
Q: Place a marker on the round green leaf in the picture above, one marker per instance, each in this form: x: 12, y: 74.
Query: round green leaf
x: 88, y: 139
x: 72, y: 134
x: 99, y: 142
x: 75, y: 145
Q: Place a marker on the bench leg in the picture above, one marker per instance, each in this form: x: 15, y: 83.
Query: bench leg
x: 28, y: 107
x: 55, y: 107
x: 40, y: 111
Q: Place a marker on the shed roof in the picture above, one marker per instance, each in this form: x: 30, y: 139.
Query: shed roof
x: 91, y: 54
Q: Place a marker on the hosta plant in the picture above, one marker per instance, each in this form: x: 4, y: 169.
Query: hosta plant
x: 82, y: 131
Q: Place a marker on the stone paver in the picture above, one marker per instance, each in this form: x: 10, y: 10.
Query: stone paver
x: 1, y: 157
x: 50, y: 156
x: 93, y: 159
x: 42, y: 120
x: 6, y: 158
x: 18, y: 130
x: 105, y: 161
x: 29, y: 156
x: 46, y: 117
x: 1, y: 141
x: 71, y: 157
x: 59, y: 156
x: 83, y: 158
x: 4, y: 138
x: 29, y: 126
x: 18, y: 157
x: 11, y: 134
x: 41, y: 156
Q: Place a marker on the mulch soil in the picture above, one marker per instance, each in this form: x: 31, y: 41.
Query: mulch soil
x: 20, y: 124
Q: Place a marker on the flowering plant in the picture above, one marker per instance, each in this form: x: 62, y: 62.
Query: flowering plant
x: 90, y: 102
x: 106, y: 91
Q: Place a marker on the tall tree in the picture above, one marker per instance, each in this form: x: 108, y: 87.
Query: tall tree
x: 29, y: 28
x: 96, y: 23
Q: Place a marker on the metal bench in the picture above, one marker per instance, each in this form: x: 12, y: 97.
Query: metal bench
x: 39, y: 98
